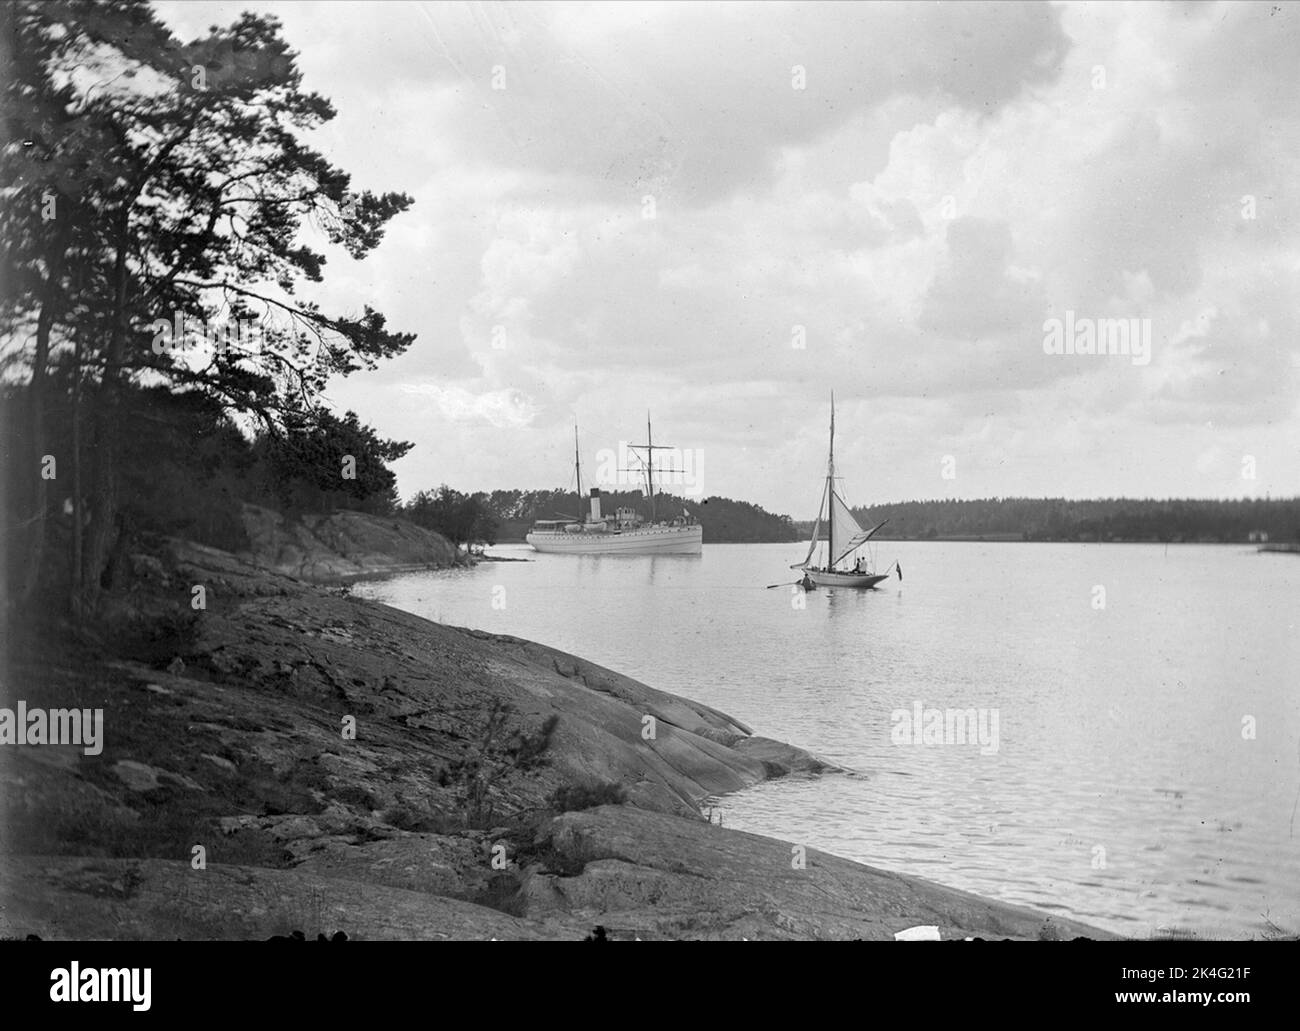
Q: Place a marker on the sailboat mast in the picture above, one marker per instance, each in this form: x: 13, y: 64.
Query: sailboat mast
x: 830, y: 491
x: 577, y: 470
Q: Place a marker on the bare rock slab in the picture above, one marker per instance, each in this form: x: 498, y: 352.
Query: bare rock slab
x: 63, y: 898
x: 653, y: 875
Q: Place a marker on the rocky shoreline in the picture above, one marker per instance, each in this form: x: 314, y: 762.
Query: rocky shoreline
x: 298, y: 759
x: 342, y: 546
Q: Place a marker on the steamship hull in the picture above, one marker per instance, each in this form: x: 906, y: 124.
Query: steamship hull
x: 646, y: 540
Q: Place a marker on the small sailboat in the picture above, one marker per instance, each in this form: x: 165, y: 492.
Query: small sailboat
x: 844, y: 535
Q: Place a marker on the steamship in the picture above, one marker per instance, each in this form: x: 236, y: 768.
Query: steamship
x: 624, y: 532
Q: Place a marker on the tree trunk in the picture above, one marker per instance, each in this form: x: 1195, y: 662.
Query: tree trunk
x: 33, y: 537
x: 103, y: 526
x: 34, y: 532
x: 78, y: 507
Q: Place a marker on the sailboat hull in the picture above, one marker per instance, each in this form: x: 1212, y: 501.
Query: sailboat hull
x: 861, y: 581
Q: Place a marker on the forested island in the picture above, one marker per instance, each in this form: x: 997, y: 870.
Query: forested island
x: 1108, y: 519
x: 504, y: 516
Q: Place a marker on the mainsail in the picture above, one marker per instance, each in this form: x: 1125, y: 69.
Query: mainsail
x: 849, y: 536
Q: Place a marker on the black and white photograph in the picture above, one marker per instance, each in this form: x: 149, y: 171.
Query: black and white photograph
x: 651, y: 471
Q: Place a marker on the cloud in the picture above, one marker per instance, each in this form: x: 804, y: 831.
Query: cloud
x: 950, y: 176
x: 499, y: 408
x: 693, y: 101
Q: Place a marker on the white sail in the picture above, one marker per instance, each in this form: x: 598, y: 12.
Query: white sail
x: 817, y: 529
x: 812, y: 545
x: 849, y: 536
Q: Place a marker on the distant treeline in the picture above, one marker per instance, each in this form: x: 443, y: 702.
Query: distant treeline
x: 724, y: 519
x: 1021, y: 519
x: 1110, y: 519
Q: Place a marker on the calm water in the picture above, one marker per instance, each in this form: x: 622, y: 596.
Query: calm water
x: 1122, y: 791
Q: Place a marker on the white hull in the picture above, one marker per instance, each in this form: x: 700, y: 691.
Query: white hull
x: 644, y: 540
x: 859, y: 580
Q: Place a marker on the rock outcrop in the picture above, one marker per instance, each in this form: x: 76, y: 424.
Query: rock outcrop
x: 342, y: 545
x: 157, y: 899
x: 298, y: 759
x: 649, y: 875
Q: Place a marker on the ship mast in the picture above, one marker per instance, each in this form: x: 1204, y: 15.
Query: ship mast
x: 650, y: 447
x: 830, y: 492
x: 650, y: 465
x: 577, y: 470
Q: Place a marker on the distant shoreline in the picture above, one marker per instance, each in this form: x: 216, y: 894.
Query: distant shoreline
x: 1286, y: 546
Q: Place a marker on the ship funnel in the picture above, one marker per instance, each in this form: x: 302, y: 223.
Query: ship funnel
x: 595, y: 504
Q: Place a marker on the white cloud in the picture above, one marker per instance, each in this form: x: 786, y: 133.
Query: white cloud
x: 949, y: 178
x: 500, y: 408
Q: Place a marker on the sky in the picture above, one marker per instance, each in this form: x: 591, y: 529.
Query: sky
x: 721, y: 213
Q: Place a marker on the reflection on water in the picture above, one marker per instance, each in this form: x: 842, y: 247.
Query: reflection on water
x: 1126, y: 790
